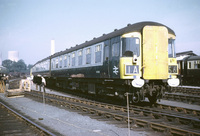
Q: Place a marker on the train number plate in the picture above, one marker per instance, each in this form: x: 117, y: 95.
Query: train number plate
x: 132, y: 69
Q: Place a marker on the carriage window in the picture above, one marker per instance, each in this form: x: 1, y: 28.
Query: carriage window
x: 69, y: 61
x: 106, y: 52
x: 80, y: 57
x: 52, y: 64
x: 88, y: 56
x: 57, y: 63
x: 73, y: 59
x: 197, y: 64
x: 189, y: 65
x: 171, y: 48
x: 60, y: 62
x: 130, y: 46
x: 115, y: 49
x: 65, y: 61
x: 97, y: 53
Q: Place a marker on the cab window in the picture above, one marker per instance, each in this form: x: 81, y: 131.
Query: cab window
x: 171, y: 48
x: 130, y: 46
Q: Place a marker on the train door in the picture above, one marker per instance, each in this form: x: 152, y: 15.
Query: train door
x: 106, y: 69
x: 155, y: 56
x: 114, y: 59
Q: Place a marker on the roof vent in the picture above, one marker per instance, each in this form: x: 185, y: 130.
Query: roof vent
x: 115, y: 30
x: 104, y: 34
x: 94, y: 38
x: 86, y: 41
x: 128, y: 24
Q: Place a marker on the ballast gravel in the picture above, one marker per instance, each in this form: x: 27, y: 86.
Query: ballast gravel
x: 68, y: 123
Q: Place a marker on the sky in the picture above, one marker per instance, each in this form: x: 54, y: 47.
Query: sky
x: 28, y: 26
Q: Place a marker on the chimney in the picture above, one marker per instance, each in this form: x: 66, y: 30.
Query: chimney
x: 52, y: 47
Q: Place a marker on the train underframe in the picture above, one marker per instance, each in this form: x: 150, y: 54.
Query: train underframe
x: 152, y: 89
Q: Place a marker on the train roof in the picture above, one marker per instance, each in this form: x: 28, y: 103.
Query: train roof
x: 194, y: 58
x: 137, y: 27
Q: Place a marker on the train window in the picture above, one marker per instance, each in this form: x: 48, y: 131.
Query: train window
x: 106, y: 52
x: 69, y: 61
x: 53, y: 64
x: 171, y: 48
x: 73, y: 59
x: 98, y: 48
x: 189, y: 65
x: 130, y: 46
x: 80, y: 57
x: 97, y: 53
x: 65, y: 61
x: 60, y: 62
x: 197, y: 65
x: 57, y: 63
x: 88, y: 56
x: 115, y: 49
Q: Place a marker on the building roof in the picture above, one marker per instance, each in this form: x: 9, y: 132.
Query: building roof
x: 194, y: 58
x: 188, y: 53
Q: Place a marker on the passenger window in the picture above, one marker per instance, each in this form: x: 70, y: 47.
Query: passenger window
x: 60, y: 62
x: 65, y: 61
x: 189, y: 65
x: 69, y: 61
x: 88, y: 56
x: 80, y: 58
x: 57, y: 63
x: 97, y: 53
x: 106, y: 52
x: 115, y: 49
x: 73, y: 59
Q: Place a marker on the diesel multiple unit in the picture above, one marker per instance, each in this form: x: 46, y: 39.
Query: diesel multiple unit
x: 189, y: 70
x: 139, y: 59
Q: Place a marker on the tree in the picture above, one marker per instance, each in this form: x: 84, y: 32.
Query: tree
x: 13, y: 66
x: 7, y: 63
x: 29, y: 66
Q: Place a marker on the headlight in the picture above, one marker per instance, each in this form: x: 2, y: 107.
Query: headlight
x: 172, y: 69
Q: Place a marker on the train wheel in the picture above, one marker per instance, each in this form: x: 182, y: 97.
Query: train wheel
x: 136, y: 97
x: 152, y: 99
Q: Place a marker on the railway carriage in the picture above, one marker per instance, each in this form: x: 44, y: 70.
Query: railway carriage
x: 189, y: 70
x: 138, y: 59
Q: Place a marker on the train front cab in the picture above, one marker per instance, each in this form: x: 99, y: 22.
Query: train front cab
x: 148, y: 62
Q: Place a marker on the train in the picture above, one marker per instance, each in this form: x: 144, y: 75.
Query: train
x: 189, y: 70
x: 138, y: 60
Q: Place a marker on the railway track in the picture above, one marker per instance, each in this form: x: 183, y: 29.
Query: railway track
x: 185, y: 94
x: 13, y: 123
x: 187, y: 90
x: 192, y: 99
x: 162, y: 118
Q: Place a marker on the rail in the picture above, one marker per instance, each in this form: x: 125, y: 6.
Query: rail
x: 42, y: 130
x: 155, y: 119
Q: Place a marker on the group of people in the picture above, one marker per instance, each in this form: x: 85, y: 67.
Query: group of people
x: 40, y: 80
